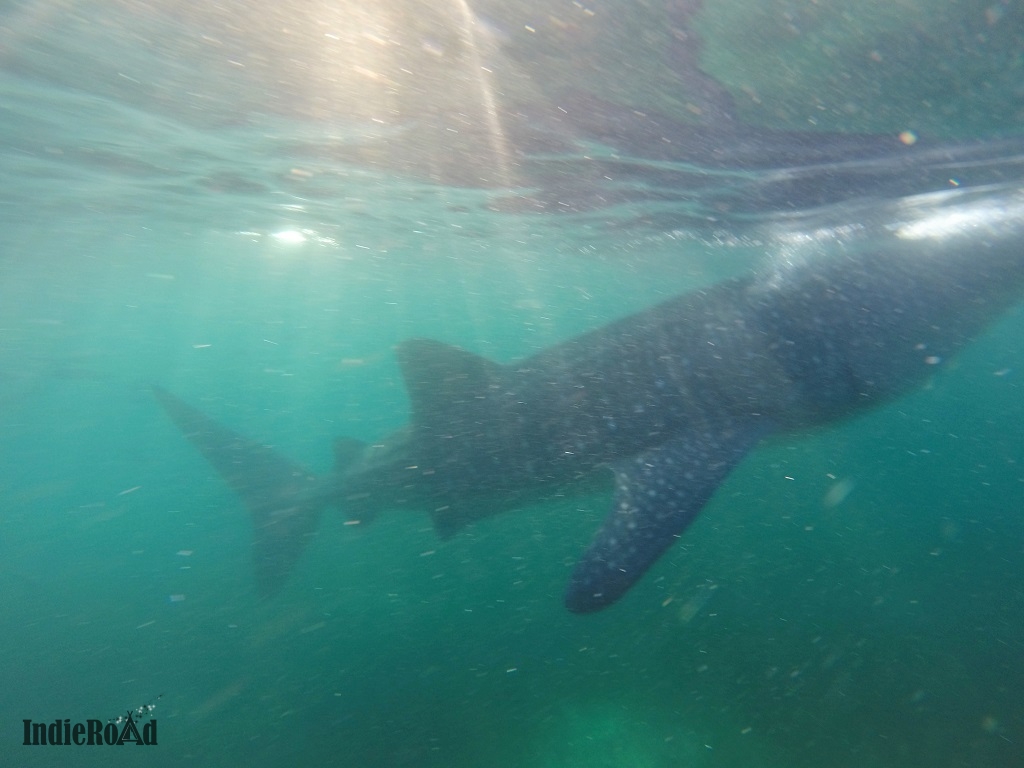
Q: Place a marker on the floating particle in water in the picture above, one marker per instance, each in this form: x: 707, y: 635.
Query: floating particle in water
x: 837, y: 494
x: 993, y: 14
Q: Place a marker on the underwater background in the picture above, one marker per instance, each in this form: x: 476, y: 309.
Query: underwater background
x: 252, y: 204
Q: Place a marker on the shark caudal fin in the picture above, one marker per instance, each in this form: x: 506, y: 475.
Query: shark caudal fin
x: 282, y: 496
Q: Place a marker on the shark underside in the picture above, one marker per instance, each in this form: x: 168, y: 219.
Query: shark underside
x: 660, y: 406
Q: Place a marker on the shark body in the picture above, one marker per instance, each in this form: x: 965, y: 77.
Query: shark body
x: 660, y: 405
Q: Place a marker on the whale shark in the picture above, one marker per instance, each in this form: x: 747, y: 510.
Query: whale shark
x: 657, y: 407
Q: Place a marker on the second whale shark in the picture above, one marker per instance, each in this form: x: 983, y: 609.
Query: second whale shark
x: 661, y: 405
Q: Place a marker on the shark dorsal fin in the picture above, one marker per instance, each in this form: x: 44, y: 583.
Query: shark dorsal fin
x: 442, y: 380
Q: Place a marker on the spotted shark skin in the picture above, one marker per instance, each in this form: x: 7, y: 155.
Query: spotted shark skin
x: 659, y: 406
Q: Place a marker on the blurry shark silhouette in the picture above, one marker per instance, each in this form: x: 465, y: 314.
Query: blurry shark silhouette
x: 660, y: 405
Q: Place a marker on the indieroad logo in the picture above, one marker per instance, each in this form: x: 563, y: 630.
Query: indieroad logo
x: 116, y: 731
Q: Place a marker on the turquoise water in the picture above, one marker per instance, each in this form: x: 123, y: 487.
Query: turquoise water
x: 182, y: 205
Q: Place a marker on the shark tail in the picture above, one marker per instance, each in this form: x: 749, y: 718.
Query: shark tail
x: 284, y: 499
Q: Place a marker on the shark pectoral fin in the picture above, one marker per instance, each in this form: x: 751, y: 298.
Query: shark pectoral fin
x: 280, y: 495
x: 657, y: 495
